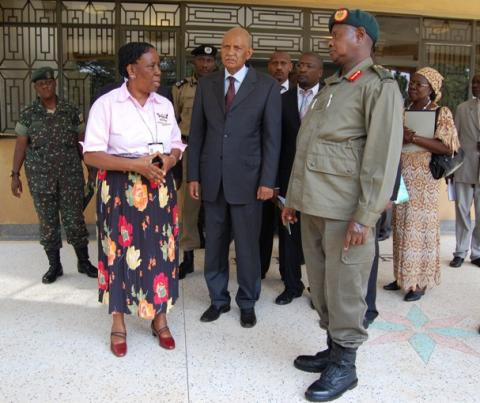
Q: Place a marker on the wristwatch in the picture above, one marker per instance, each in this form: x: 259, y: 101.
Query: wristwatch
x: 14, y: 173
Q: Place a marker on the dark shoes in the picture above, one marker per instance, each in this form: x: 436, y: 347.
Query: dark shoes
x: 339, y: 376
x: 248, y: 318
x: 166, y: 342
x: 457, y: 261
x: 55, y: 267
x: 118, y: 349
x: 84, y: 266
x: 393, y: 286
x: 476, y: 261
x: 286, y: 297
x: 312, y: 363
x: 213, y: 313
x: 186, y: 266
x: 414, y: 295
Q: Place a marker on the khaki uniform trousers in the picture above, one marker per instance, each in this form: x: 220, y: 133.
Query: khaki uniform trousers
x: 188, y: 213
x: 338, y: 279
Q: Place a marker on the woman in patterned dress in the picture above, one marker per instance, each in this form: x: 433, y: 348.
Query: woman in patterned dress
x: 416, y: 224
x: 137, y: 225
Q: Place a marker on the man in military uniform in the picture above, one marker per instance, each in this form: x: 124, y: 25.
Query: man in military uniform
x: 183, y: 95
x: 348, y: 150
x: 48, y: 133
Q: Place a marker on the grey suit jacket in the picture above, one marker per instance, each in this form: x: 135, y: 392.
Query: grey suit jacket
x: 239, y: 150
x: 467, y: 121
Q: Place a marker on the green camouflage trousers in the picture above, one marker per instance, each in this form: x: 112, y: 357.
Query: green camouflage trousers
x: 65, y: 202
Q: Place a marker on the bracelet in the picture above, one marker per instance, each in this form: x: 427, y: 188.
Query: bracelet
x: 14, y: 173
x: 413, y: 139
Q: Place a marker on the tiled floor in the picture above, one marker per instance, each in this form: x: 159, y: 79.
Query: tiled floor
x: 54, y: 342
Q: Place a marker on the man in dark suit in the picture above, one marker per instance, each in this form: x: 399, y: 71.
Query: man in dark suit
x: 279, y: 67
x: 295, y: 103
x: 233, y: 160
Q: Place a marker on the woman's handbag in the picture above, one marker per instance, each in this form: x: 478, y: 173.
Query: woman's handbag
x: 443, y: 165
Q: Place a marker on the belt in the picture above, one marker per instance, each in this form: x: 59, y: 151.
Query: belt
x: 185, y: 139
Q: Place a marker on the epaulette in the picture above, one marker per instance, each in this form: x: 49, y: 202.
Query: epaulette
x: 178, y: 84
x: 382, y: 72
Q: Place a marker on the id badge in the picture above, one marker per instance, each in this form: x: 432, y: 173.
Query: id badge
x: 155, y: 148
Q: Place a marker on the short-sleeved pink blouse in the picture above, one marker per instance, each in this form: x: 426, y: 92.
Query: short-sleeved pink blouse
x: 118, y: 124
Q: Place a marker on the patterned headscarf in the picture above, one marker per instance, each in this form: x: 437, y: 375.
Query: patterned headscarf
x: 435, y: 79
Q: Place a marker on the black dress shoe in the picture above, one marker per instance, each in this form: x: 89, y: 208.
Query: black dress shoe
x: 476, y: 261
x: 414, y: 295
x: 247, y: 317
x: 393, y: 286
x: 457, y: 261
x: 213, y: 313
x: 286, y: 297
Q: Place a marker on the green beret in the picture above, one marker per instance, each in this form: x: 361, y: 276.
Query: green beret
x: 43, y: 73
x: 204, y: 50
x: 356, y: 18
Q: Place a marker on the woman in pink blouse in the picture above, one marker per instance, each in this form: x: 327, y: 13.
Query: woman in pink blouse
x: 133, y: 138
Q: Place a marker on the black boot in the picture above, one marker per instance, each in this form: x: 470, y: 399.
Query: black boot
x: 84, y: 266
x: 314, y: 363
x: 55, y: 270
x: 187, y: 265
x: 339, y: 376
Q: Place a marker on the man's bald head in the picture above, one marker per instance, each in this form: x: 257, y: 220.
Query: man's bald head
x: 236, y: 49
x: 280, y: 65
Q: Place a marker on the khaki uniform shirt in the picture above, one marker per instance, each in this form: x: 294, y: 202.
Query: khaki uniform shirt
x: 183, y: 94
x: 348, y: 147
x: 52, y: 152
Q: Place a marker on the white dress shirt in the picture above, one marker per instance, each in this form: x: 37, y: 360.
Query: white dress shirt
x: 239, y: 76
x: 285, y: 86
x: 314, y: 90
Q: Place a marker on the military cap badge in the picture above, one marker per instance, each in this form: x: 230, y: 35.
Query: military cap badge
x: 341, y: 15
x: 208, y: 50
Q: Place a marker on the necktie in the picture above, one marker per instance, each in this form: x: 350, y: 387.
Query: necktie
x: 230, y: 94
x: 304, y: 105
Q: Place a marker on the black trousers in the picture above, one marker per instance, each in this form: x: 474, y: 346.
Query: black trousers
x: 371, y: 297
x: 291, y: 256
x: 266, y: 235
x: 243, y: 221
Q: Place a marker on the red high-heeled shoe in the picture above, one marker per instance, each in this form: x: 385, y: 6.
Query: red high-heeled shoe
x: 118, y: 349
x: 165, y: 342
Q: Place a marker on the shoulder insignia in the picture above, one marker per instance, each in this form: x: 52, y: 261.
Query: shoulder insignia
x: 382, y: 72
x: 355, y: 75
x: 178, y: 84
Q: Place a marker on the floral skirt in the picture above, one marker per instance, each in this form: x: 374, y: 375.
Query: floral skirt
x: 416, y: 226
x: 137, y: 243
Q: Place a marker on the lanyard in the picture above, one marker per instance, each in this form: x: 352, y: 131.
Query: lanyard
x: 154, y: 136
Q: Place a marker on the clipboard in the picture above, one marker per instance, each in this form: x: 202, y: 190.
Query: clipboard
x: 423, y: 123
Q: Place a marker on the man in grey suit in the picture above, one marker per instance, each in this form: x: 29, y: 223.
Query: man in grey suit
x: 467, y: 185
x: 234, y: 148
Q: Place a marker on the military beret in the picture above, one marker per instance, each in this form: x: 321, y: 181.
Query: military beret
x: 43, y: 73
x: 204, y: 50
x: 356, y: 18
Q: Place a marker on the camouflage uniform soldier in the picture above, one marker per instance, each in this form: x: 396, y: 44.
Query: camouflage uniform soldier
x: 183, y: 95
x: 47, y: 140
